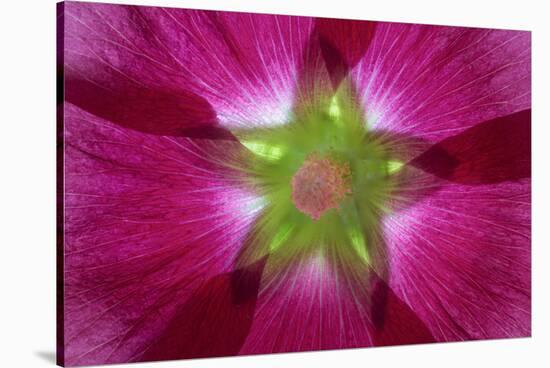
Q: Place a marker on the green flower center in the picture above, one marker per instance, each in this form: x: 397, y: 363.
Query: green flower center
x: 325, y: 180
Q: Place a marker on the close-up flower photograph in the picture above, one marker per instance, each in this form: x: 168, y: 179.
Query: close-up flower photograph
x: 351, y: 182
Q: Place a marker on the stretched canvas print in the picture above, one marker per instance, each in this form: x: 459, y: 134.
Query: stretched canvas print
x: 235, y: 184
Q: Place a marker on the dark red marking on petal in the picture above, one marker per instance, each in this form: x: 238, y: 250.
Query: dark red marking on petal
x: 490, y: 152
x: 174, y: 113
x: 209, y: 132
x: 395, y: 323
x: 215, y: 321
x: 343, y: 42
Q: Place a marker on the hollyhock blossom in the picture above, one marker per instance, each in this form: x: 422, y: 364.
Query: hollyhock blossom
x: 243, y: 184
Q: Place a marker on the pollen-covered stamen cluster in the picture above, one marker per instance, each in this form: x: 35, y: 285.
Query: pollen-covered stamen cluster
x: 320, y: 185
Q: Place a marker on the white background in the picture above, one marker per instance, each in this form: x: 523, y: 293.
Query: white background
x: 27, y: 182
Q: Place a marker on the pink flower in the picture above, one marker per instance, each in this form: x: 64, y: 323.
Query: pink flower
x: 243, y: 184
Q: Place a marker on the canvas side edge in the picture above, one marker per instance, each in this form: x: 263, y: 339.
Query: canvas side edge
x: 60, y: 187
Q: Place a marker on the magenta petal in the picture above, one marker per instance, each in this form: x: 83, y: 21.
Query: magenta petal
x: 314, y: 304
x: 433, y: 82
x: 148, y: 220
x: 310, y: 306
x: 460, y: 258
x: 489, y: 152
x: 161, y: 61
x: 460, y: 255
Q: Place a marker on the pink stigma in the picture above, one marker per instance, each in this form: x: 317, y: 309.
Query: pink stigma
x: 319, y: 185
